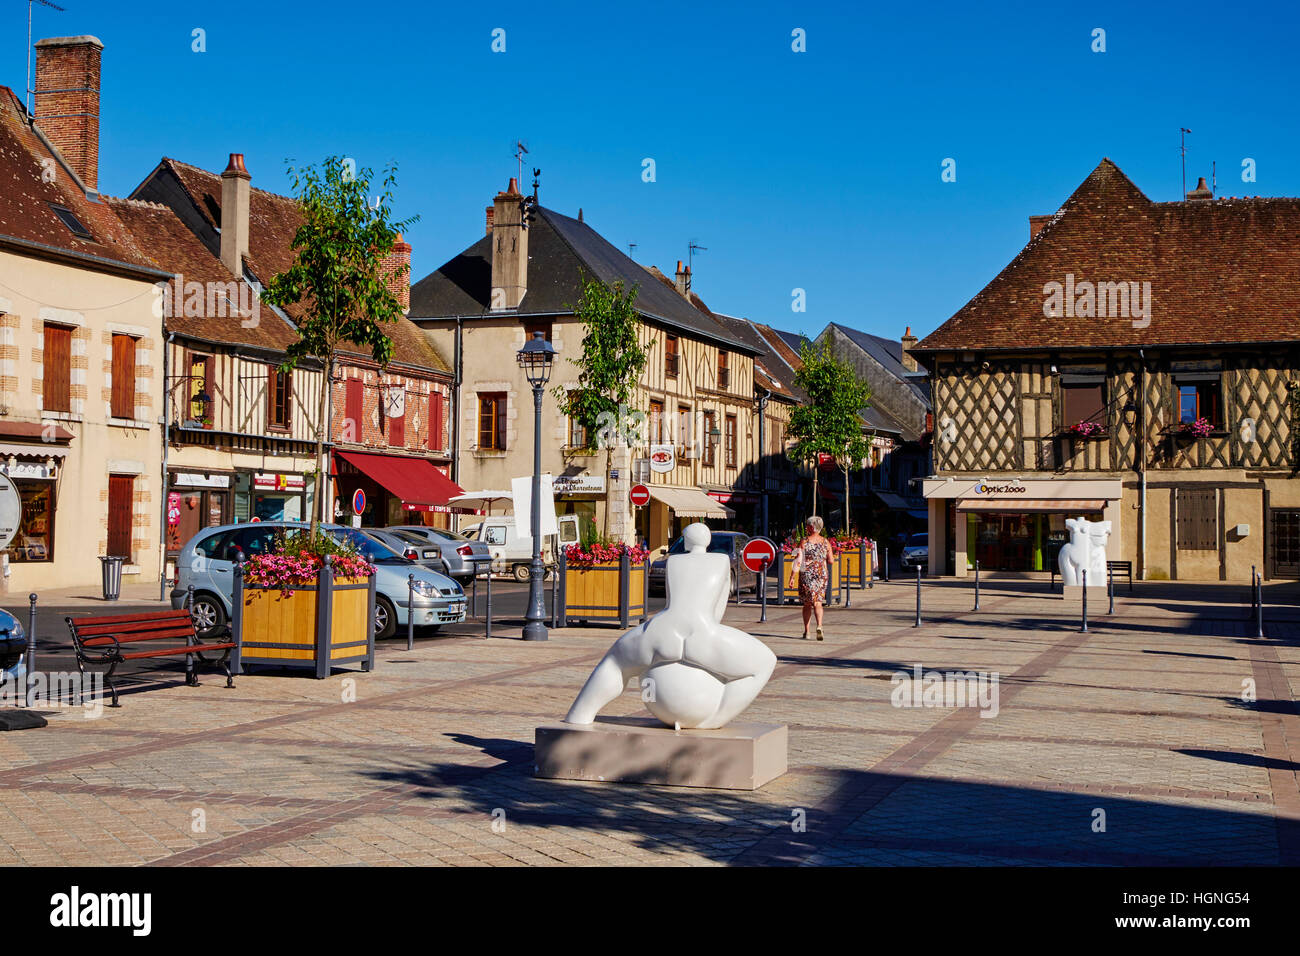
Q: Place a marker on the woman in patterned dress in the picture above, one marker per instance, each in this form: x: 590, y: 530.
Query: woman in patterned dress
x: 812, y: 562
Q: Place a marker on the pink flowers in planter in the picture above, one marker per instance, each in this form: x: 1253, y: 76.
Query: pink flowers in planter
x: 600, y: 552
x: 1086, y: 429
x: 1199, y: 428
x: 297, y: 563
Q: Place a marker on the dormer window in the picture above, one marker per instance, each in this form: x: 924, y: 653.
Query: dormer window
x: 69, y: 219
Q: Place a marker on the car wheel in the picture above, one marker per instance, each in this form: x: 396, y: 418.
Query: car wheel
x: 209, y: 615
x: 385, y: 618
x: 522, y: 572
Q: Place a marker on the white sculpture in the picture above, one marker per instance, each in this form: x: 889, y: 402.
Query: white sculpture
x: 694, y: 670
x: 1086, y: 551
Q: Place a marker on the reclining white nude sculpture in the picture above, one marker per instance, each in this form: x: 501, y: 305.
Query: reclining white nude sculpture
x: 702, y: 673
x: 1086, y: 550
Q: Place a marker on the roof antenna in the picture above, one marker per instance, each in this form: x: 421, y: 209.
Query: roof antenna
x: 44, y: 3
x: 1182, y: 148
x: 520, y: 151
x: 631, y: 248
x: 692, y: 248
x: 536, y: 175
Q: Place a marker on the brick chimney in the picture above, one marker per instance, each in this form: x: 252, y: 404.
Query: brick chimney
x: 509, y: 249
x: 489, y: 221
x: 1036, y: 224
x: 683, y: 281
x: 396, y: 267
x: 67, y: 101
x: 1201, y: 191
x: 909, y: 341
x: 236, y: 189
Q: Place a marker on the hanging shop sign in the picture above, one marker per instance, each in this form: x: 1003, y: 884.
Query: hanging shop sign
x: 663, y: 459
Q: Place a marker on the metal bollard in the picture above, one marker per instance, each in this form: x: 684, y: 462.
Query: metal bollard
x: 410, y: 612
x: 918, y: 597
x: 1083, y: 575
x: 762, y: 594
x: 487, y: 616
x: 977, y: 584
x: 1110, y: 588
x: 1259, y: 605
x: 1251, y: 614
x: 29, y: 697
x: 473, y: 606
x: 189, y: 598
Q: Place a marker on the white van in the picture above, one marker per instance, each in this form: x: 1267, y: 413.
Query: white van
x: 512, y: 551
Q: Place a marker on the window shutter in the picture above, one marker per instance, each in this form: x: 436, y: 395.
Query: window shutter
x: 397, y: 431
x: 353, y: 408
x: 123, y: 372
x: 1198, y: 520
x: 57, y: 383
x: 501, y: 423
x: 120, y: 488
x: 435, y: 420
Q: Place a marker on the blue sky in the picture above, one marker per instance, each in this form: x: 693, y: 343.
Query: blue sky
x: 817, y: 170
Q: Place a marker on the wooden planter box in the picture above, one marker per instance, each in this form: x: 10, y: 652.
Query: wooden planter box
x: 791, y: 594
x: 857, y: 567
x: 320, y: 626
x: 611, y: 592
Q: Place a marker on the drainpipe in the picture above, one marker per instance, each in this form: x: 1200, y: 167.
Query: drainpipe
x: 167, y: 434
x: 1142, y: 465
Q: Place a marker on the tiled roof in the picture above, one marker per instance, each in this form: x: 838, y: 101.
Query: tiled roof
x: 887, y: 353
x: 561, y: 250
x: 273, y: 220
x: 1221, y: 271
x: 32, y: 177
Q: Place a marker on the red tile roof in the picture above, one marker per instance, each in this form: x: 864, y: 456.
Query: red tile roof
x: 32, y: 177
x: 1221, y: 271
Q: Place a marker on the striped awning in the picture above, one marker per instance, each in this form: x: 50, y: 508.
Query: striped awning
x: 1040, y: 505
x: 689, y: 502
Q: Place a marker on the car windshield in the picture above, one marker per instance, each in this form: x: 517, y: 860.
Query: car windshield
x: 370, y: 548
x: 918, y: 540
x: 718, y: 545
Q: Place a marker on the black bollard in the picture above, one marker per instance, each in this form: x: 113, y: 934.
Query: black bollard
x: 473, y: 601
x: 762, y: 594
x: 28, y: 696
x: 1259, y: 605
x: 1110, y: 587
x: 918, y: 597
x: 977, y: 584
x: 410, y: 612
x: 1083, y: 575
x: 487, y: 616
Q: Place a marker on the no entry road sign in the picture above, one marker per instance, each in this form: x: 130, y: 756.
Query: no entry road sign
x: 758, y: 552
x: 639, y: 495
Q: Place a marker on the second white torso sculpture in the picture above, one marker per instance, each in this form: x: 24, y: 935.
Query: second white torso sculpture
x: 695, y: 671
x: 1086, y: 551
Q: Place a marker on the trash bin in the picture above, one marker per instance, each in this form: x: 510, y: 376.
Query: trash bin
x: 111, y: 567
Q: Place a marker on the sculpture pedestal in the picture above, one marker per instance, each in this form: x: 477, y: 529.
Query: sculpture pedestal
x: 741, y: 756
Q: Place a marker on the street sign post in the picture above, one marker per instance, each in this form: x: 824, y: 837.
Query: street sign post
x: 757, y: 555
x: 358, y: 501
x: 639, y: 495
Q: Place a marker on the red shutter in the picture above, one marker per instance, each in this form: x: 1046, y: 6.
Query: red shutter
x: 57, y: 383
x: 120, y: 488
x: 123, y: 395
x: 352, y: 411
x: 397, y: 431
x: 435, y: 421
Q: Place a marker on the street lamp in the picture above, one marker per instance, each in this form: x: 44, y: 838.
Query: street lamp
x: 536, y: 358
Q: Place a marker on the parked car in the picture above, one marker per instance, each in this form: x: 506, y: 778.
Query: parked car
x: 13, y: 643
x: 916, y: 553
x: 207, y: 562
x: 413, y: 548
x: 512, y: 551
x: 463, y: 557
x: 730, y: 543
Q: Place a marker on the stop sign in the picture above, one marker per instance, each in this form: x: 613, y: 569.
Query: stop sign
x: 640, y: 495
x: 757, y: 553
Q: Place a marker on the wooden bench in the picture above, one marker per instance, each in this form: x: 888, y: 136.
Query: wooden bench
x: 115, y: 638
x: 1116, y: 568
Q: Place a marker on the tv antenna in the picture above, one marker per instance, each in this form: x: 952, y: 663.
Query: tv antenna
x: 1182, y: 149
x: 691, y: 248
x: 631, y: 248
x: 52, y: 6
x: 520, y: 152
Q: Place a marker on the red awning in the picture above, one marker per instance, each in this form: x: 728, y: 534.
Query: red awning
x: 419, y: 485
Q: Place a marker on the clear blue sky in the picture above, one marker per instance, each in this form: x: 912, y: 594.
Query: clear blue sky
x: 816, y: 170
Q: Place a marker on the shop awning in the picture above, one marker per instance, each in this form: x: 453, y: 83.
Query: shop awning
x: 1040, y: 505
x: 419, y: 485
x: 689, y: 502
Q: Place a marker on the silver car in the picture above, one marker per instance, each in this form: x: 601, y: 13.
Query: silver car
x: 916, y: 553
x: 13, y: 644
x: 464, y: 557
x: 207, y: 562
x: 412, y: 547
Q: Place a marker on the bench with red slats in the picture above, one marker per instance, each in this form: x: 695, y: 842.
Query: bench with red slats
x: 119, y: 637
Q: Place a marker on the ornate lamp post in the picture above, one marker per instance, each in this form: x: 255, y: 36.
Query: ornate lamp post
x: 536, y: 358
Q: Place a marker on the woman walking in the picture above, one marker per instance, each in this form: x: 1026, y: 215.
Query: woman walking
x: 812, y: 562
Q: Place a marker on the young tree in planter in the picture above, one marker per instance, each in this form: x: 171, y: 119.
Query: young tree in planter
x: 611, y: 364
x: 829, y: 424
x: 336, y: 277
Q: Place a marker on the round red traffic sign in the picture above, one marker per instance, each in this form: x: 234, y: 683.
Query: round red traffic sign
x: 640, y: 495
x: 758, y: 553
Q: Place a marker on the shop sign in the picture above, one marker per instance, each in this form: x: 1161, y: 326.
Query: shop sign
x: 173, y: 507
x: 190, y: 480
x: 11, y: 511
x: 579, y: 484
x: 279, y: 482
x: 1010, y: 488
x: 663, y: 459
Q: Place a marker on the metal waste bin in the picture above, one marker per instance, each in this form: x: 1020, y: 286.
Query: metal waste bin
x: 111, y: 568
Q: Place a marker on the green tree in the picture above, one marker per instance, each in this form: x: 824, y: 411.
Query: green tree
x: 337, y: 279
x: 611, y: 363
x: 830, y: 423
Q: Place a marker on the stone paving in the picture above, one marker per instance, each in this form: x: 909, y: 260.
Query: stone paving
x: 1131, y: 744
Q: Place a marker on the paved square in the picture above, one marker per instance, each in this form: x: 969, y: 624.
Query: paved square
x: 1128, y: 744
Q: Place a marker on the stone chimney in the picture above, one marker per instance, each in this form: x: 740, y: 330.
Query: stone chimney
x: 236, y: 190
x: 683, y: 280
x: 1036, y: 224
x: 909, y: 341
x: 1201, y: 191
x: 509, y: 249
x: 489, y: 221
x: 396, y: 269
x: 67, y: 101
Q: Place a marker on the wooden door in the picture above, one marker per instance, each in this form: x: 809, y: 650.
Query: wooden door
x: 120, y: 493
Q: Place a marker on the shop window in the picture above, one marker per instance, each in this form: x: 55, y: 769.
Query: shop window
x: 1199, y: 400
x: 1082, y: 402
x: 492, y: 421
x: 123, y: 392
x: 56, y: 386
x: 1198, y: 519
x: 279, y: 394
x: 670, y: 356
x: 730, y: 441
x: 35, y: 538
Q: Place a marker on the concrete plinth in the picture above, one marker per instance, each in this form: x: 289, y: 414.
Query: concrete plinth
x: 641, y: 750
